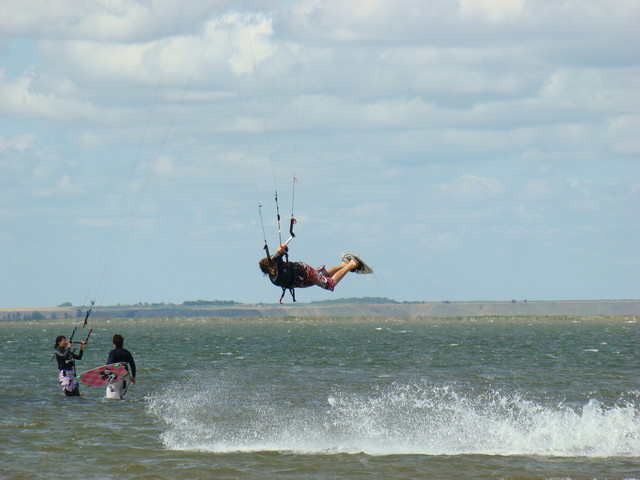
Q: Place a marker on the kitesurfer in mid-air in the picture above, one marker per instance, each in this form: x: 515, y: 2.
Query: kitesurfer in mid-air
x: 290, y: 275
x: 66, y: 364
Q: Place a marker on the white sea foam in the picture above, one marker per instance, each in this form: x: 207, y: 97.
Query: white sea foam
x: 409, y: 419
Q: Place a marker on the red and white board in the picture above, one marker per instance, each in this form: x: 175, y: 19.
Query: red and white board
x: 105, y: 375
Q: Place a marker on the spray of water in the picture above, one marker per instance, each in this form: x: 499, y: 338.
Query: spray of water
x: 397, y: 419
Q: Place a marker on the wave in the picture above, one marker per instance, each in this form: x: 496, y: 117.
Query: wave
x: 395, y: 420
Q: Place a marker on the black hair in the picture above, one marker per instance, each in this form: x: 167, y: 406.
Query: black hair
x: 118, y: 340
x: 58, y: 339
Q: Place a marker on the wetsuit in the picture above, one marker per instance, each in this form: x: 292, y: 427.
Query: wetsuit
x: 118, y: 389
x: 290, y: 275
x: 120, y: 354
x: 67, y: 365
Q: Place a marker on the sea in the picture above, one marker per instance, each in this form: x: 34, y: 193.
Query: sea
x: 329, y: 398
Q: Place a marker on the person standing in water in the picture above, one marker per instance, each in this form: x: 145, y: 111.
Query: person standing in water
x: 117, y: 355
x: 67, y: 366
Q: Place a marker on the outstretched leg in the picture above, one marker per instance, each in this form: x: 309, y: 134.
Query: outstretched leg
x: 333, y: 270
x: 338, y: 273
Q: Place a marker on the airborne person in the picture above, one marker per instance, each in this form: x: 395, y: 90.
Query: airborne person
x: 289, y: 275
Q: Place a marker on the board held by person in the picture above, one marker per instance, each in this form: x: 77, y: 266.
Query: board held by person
x: 120, y: 354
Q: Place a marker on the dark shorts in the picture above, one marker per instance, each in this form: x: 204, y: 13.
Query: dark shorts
x: 316, y: 276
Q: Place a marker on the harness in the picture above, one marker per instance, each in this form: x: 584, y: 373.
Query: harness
x: 287, y: 277
x: 289, y: 283
x: 292, y: 291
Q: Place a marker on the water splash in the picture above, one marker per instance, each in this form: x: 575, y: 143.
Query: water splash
x: 397, y: 419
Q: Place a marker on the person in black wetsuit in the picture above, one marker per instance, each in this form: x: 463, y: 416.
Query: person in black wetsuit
x: 66, y: 364
x: 289, y: 275
x: 120, y: 354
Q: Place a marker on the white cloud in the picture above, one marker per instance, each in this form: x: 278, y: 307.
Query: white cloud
x: 19, y: 143
x: 164, y: 165
x: 63, y: 186
x: 495, y: 10
x: 95, y: 222
x: 624, y: 134
x: 471, y: 188
x: 366, y: 211
x: 250, y: 41
x: 535, y: 190
x: 125, y: 20
x: 442, y: 241
x: 14, y: 151
x: 18, y: 99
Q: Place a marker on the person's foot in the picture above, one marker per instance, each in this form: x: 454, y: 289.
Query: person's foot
x: 351, y: 260
x: 361, y: 267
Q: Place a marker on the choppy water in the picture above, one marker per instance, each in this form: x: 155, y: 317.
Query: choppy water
x: 323, y: 399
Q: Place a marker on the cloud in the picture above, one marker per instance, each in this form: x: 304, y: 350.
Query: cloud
x: 442, y: 241
x: 18, y: 144
x: 472, y: 188
x: 366, y: 211
x: 124, y: 20
x: 23, y: 159
x: 495, y: 11
x: 623, y: 134
x: 19, y: 98
x: 535, y: 190
x: 63, y: 186
x: 164, y: 165
x: 95, y: 222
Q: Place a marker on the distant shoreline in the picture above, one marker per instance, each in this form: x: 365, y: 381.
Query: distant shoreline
x: 340, y: 308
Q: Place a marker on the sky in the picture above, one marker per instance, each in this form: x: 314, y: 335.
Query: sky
x: 465, y: 149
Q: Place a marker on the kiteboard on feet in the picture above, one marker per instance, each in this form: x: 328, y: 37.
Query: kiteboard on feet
x: 362, y: 267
